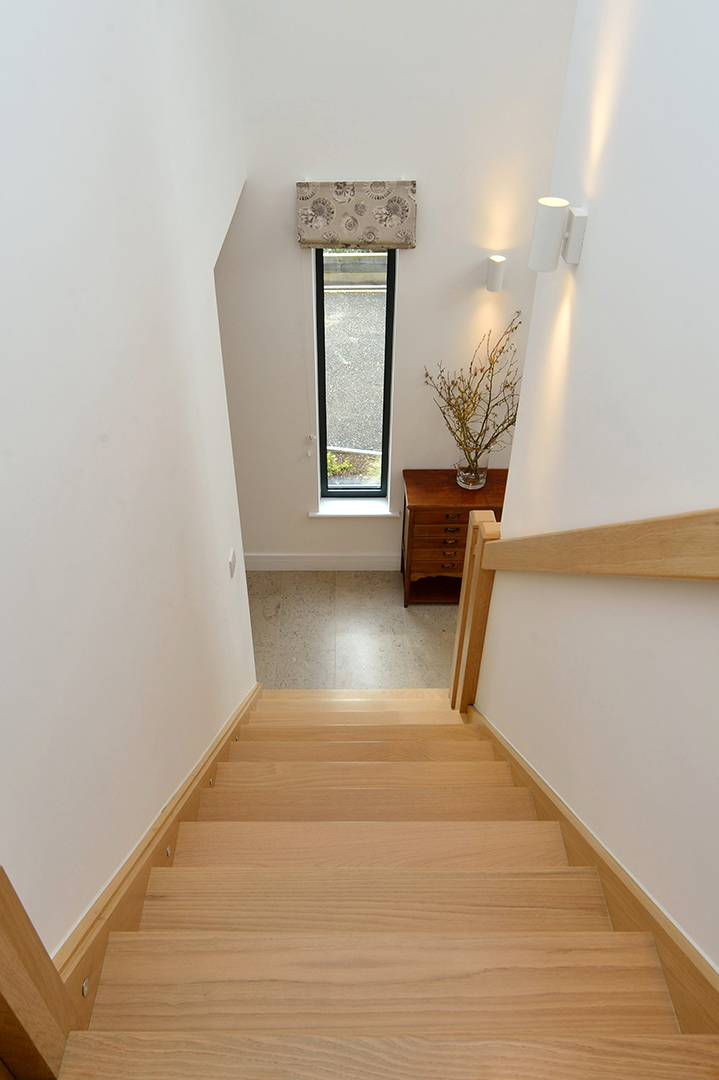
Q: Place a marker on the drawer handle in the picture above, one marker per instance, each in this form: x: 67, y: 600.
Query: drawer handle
x: 449, y: 543
x: 452, y: 517
x: 451, y: 528
x: 448, y: 565
x: 449, y: 554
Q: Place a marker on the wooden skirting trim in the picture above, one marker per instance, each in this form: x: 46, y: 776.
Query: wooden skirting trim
x: 675, y: 546
x: 693, y: 983
x: 120, y: 905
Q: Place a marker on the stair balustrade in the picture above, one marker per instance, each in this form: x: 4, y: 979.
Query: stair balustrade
x: 674, y: 546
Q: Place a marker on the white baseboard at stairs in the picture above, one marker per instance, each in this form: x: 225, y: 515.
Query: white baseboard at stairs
x: 322, y: 562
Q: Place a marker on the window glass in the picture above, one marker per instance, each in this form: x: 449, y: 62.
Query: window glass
x: 355, y: 298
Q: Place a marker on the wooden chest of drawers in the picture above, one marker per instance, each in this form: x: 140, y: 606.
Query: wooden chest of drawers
x: 436, y: 513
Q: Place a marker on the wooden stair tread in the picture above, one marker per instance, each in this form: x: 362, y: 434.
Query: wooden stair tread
x: 438, y: 803
x: 409, y: 694
x: 289, y: 775
x: 226, y: 1055
x: 379, y: 750
x: 314, y: 844
x: 356, y: 732
x: 313, y: 717
x: 354, y: 702
x: 499, y: 984
x: 365, y: 894
x: 381, y: 900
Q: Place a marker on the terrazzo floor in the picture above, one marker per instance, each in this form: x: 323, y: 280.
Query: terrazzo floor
x: 324, y: 630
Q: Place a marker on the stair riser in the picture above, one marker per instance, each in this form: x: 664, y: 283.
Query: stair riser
x: 285, y: 730
x: 354, y: 717
x: 436, y: 750
x: 306, y: 775
x: 407, y: 696
x: 369, y: 804
x: 330, y: 844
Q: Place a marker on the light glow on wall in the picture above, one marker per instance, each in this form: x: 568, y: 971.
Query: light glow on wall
x: 490, y: 313
x: 551, y: 405
x: 499, y: 207
x: 609, y: 71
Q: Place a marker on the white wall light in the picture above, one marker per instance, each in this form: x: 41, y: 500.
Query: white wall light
x: 495, y: 272
x: 558, y: 230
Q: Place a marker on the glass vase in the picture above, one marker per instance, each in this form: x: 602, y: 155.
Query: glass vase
x: 472, y: 478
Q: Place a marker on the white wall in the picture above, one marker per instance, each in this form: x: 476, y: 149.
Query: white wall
x: 464, y: 97
x: 610, y: 687
x: 125, y: 646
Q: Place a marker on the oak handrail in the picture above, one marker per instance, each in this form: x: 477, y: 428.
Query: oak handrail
x: 36, y: 1011
x: 675, y: 546
x: 684, y: 546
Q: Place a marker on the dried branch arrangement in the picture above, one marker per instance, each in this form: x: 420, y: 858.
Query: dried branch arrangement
x: 479, y: 406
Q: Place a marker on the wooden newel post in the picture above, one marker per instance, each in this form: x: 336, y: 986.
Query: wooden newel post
x: 36, y: 1012
x: 473, y: 610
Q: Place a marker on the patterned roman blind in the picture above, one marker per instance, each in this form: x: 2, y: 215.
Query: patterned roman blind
x: 338, y: 214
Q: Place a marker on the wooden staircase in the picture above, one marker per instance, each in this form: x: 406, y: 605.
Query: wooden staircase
x: 366, y: 894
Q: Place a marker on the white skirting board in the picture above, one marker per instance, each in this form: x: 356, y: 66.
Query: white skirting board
x: 322, y: 562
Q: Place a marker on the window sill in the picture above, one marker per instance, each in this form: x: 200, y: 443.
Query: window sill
x: 347, y: 508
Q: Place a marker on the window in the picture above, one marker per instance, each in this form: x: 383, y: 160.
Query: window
x: 355, y: 310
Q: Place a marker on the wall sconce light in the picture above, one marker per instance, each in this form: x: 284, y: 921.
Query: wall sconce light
x: 558, y: 230
x: 495, y: 272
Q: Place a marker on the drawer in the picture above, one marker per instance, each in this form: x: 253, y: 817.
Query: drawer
x: 457, y: 531
x: 438, y: 569
x: 458, y: 543
x: 426, y: 554
x: 438, y: 559
x: 435, y: 517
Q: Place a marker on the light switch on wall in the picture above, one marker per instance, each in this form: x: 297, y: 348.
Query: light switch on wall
x: 233, y: 562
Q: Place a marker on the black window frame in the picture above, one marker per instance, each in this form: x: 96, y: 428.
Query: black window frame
x: 326, y: 492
